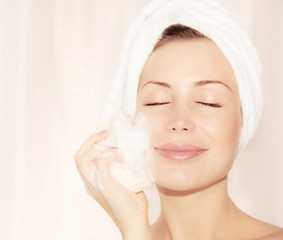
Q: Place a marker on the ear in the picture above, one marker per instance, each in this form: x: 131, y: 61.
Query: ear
x: 240, y: 135
x: 241, y: 117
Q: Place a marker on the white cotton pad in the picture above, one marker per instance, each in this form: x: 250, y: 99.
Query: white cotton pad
x: 132, y: 139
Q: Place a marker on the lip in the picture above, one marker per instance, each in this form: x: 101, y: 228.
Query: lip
x: 175, y: 151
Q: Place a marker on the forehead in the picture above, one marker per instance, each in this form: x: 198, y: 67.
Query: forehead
x: 186, y: 61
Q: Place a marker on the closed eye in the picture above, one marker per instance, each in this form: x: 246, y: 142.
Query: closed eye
x: 215, y: 105
x: 154, y: 104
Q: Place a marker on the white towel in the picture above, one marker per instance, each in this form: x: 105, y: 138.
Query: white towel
x: 209, y: 18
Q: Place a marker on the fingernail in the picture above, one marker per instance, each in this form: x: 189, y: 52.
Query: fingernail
x: 113, y: 147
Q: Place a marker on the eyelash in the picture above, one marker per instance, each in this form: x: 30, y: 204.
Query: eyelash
x: 214, y: 105
x: 153, y: 104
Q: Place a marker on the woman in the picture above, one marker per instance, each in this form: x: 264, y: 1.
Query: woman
x: 198, y: 85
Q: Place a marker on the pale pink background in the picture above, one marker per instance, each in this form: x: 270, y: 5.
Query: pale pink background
x: 56, y: 60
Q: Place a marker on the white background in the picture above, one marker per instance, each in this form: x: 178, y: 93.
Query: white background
x: 56, y: 60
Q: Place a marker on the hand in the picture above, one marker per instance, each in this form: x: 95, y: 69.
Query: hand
x: 128, y: 210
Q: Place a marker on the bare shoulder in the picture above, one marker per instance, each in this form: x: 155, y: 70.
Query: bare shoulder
x: 268, y: 231
x: 276, y: 235
x: 259, y: 230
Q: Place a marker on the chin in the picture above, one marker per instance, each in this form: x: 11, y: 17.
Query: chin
x: 189, y: 178
x: 171, y: 184
x: 184, y: 186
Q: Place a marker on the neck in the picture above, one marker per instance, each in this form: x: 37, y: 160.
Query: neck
x: 199, y: 214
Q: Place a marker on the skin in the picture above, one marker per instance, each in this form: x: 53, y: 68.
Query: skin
x: 194, y: 198
x: 131, y: 216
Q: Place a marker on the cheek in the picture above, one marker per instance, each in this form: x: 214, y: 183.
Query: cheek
x: 224, y: 130
x: 155, y: 120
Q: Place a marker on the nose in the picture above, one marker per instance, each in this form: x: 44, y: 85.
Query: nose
x: 180, y: 120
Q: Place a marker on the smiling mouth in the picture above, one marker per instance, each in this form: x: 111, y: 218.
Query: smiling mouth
x: 179, y: 152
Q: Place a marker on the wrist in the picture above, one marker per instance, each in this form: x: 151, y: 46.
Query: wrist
x: 137, y: 232
x: 137, y: 235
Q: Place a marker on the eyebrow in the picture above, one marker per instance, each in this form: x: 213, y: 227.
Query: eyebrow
x: 204, y: 82
x: 162, y: 84
x: 197, y: 83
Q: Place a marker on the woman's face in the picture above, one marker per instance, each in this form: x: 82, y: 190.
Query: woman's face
x: 189, y: 95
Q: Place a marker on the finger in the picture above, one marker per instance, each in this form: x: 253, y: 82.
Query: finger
x: 94, y: 185
x: 103, y: 160
x: 91, y: 186
x: 86, y: 161
x: 115, y: 193
x: 91, y: 140
x: 97, y: 196
x: 106, y: 183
